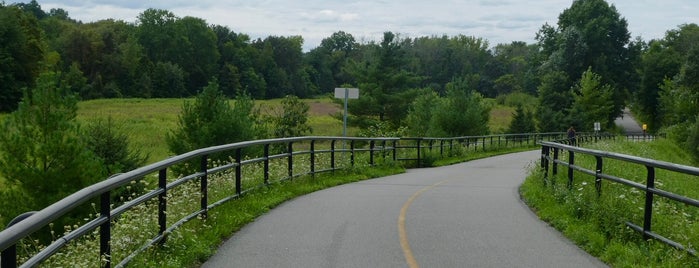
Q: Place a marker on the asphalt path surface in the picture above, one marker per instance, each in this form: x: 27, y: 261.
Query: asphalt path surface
x: 464, y: 215
x: 629, y: 124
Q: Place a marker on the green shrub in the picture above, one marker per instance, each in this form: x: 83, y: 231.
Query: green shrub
x: 211, y: 121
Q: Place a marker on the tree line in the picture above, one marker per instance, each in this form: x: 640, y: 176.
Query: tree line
x: 584, y: 69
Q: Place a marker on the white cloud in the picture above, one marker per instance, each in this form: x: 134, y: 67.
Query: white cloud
x: 498, y: 21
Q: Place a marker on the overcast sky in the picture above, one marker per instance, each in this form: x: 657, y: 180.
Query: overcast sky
x: 498, y: 21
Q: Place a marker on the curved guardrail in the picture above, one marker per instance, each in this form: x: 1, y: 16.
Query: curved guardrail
x: 411, y: 150
x: 551, y: 158
x: 34, y: 221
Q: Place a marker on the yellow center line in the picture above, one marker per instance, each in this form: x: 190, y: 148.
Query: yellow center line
x: 407, y: 252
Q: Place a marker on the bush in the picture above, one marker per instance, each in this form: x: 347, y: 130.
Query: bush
x: 211, y: 121
x: 292, y: 119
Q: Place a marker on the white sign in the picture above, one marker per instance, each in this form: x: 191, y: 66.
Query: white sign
x: 346, y: 93
x: 351, y: 93
x: 598, y: 127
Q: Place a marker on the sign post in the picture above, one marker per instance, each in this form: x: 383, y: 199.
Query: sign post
x: 346, y: 93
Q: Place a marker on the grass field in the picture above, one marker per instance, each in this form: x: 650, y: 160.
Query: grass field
x: 147, y: 121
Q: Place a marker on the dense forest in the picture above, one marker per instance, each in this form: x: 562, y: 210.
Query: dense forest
x: 584, y: 69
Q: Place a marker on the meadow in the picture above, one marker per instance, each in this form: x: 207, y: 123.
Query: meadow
x: 148, y: 121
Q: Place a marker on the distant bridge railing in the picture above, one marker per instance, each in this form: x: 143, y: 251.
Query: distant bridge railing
x: 296, y: 156
x: 472, y: 143
x: 551, y: 158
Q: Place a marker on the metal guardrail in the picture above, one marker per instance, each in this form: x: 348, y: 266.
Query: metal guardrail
x: 474, y: 143
x: 32, y: 222
x: 415, y: 147
x: 550, y: 159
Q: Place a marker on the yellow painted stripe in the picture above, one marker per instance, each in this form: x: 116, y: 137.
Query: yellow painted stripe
x: 407, y: 252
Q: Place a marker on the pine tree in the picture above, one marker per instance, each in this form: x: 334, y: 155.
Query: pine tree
x: 522, y: 121
x: 42, y: 154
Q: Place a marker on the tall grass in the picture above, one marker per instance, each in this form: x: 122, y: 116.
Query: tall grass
x: 148, y: 121
x: 598, y: 223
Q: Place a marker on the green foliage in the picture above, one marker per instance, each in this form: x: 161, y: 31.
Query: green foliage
x: 43, y: 157
x: 210, y: 120
x: 658, y: 63
x: 554, y: 100
x: 593, y: 103
x: 461, y: 113
x: 167, y: 81
x: 382, y: 129
x: 111, y: 145
x: 420, y: 114
x: 522, y: 122
x: 515, y: 99
x: 590, y: 34
x: 693, y: 140
x: 385, y: 83
x: 21, y: 51
x: 678, y: 100
x: 292, y: 119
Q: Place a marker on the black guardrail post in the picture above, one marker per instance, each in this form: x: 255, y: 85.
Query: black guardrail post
x: 313, y: 158
x: 290, y: 160
x: 371, y: 153
x: 204, y: 186
x: 238, y: 171
x: 352, y: 152
x: 383, y: 149
x: 545, y: 162
x: 571, y: 161
x: 419, y: 161
x: 332, y: 155
x: 266, y: 164
x: 395, y: 150
x: 162, y: 204
x: 555, y: 165
x: 105, y: 230
x: 598, y: 177
x: 441, y: 148
x: 648, y: 212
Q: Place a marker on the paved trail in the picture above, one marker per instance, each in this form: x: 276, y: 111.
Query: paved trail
x: 465, y: 215
x: 629, y: 124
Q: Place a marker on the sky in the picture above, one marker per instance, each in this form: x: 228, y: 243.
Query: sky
x: 498, y: 21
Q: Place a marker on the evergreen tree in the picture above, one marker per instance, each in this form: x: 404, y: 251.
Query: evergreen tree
x: 593, y: 102
x: 385, y: 83
x: 42, y: 154
x: 554, y: 102
x: 522, y: 121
